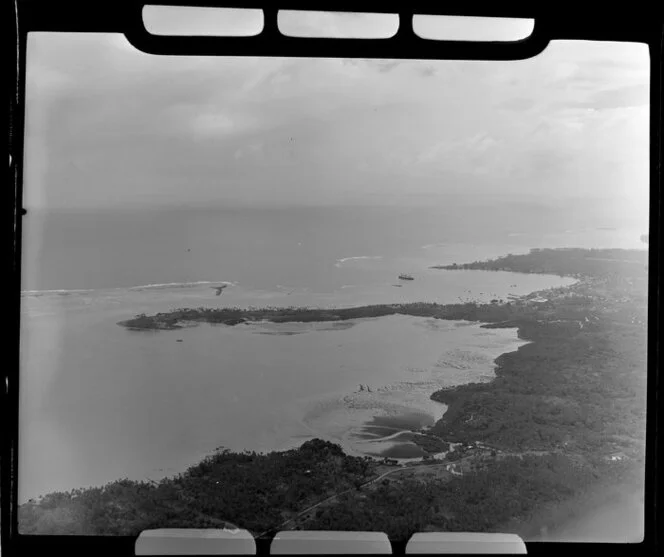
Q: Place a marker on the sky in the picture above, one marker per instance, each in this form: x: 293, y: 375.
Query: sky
x: 109, y: 126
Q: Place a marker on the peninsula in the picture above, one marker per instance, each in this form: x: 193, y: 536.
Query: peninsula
x: 560, y: 427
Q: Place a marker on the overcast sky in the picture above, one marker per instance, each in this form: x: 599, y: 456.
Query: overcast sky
x: 108, y: 125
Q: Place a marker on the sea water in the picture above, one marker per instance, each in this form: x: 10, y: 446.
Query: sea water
x: 99, y: 402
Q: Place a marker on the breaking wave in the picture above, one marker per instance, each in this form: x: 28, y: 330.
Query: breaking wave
x: 60, y: 292
x: 343, y: 260
x: 156, y: 286
x: 166, y: 285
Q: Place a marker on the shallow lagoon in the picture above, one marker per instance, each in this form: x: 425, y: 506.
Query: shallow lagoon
x: 100, y: 402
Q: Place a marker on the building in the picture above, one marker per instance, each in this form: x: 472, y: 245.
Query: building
x: 453, y: 469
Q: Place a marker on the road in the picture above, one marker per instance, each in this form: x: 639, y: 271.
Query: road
x: 337, y: 495
x: 382, y: 476
x: 327, y: 500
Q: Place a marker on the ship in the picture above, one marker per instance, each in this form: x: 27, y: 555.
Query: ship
x: 404, y: 276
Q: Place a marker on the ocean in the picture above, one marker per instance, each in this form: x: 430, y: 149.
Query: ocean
x: 99, y: 402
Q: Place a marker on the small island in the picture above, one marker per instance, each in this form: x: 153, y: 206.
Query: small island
x: 560, y: 429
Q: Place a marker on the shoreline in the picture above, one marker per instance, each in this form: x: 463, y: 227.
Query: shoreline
x: 484, y: 315
x: 530, y: 314
x: 493, y: 318
x: 566, y: 409
x: 402, y: 403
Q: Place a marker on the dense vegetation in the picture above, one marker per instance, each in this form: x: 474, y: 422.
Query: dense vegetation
x: 588, y: 389
x: 234, y: 316
x: 570, y: 405
x: 560, y: 409
x: 254, y: 491
x: 477, y: 502
x: 580, y: 380
x: 564, y: 261
x: 429, y: 443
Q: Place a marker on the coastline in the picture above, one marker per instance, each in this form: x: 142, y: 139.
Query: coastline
x: 506, y: 315
x: 533, y: 316
x: 481, y: 315
x: 564, y: 412
x: 395, y: 416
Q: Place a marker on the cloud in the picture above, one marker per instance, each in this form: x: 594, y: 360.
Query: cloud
x: 105, y: 123
x: 543, y: 161
x: 517, y: 104
x: 631, y: 95
x: 48, y: 79
x: 470, y: 154
x: 216, y: 123
x: 590, y: 69
x: 383, y: 66
x: 427, y: 71
x: 616, y: 97
x: 253, y: 150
